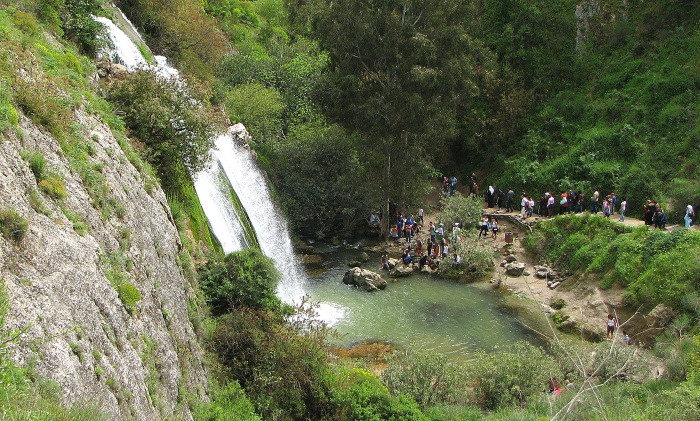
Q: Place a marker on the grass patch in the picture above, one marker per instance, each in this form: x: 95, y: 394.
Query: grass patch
x: 130, y: 296
x: 79, y: 224
x: 12, y: 226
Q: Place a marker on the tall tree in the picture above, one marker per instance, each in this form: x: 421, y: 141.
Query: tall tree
x: 403, y: 74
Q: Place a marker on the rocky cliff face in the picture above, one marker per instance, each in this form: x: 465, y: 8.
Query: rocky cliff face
x: 62, y: 280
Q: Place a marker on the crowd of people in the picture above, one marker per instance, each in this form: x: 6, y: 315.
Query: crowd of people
x: 549, y: 205
x: 429, y: 249
x: 425, y: 249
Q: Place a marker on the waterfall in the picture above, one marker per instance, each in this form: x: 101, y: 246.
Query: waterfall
x: 270, y: 227
x: 231, y: 169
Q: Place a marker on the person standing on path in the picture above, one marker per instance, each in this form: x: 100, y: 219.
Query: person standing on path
x: 611, y: 325
x: 623, y: 208
x: 594, y: 202
x: 689, y: 213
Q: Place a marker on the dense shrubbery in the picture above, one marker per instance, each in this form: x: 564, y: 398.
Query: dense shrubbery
x: 426, y: 378
x: 168, y: 118
x: 655, y: 266
x: 129, y: 296
x: 241, y: 279
x: 477, y: 257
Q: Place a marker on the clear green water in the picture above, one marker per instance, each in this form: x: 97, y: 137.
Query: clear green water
x: 419, y: 312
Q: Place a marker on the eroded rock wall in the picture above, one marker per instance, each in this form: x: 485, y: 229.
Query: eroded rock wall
x: 61, y: 284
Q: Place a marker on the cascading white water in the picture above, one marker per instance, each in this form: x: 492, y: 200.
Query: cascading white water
x: 270, y: 227
x: 213, y: 188
x: 124, y: 49
x: 233, y: 163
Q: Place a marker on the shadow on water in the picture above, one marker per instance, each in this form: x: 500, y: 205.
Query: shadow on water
x: 420, y: 312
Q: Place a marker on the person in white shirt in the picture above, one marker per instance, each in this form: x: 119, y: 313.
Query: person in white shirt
x: 689, y: 213
x: 623, y: 208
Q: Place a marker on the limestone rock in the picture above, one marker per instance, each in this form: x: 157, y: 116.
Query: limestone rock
x: 514, y: 269
x: 401, y: 271
x: 393, y: 263
x: 59, y: 290
x: 365, y: 279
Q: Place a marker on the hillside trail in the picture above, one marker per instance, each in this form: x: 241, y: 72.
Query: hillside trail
x: 586, y: 305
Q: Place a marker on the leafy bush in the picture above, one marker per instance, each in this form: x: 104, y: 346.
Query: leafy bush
x: 53, y: 187
x: 8, y: 113
x: 512, y: 376
x: 246, y: 278
x: 282, y: 366
x: 37, y: 163
x: 477, y: 259
x: 468, y: 211
x: 429, y: 379
x: 258, y: 108
x: 12, y: 225
x: 324, y: 197
x: 359, y: 395
x: 129, y: 295
x: 169, y: 118
x: 228, y: 402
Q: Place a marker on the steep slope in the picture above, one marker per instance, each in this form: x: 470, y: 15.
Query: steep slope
x: 71, y: 282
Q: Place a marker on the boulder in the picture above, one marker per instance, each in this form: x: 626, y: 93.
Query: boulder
x: 514, y: 269
x: 393, y: 263
x: 510, y: 258
x: 543, y: 272
x: 365, y: 279
x: 644, y: 329
x: 401, y: 271
x: 363, y: 257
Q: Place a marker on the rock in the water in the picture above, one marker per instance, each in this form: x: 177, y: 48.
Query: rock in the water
x: 401, y: 271
x: 365, y: 279
x: 514, y: 269
x: 311, y: 259
x: 363, y: 257
x: 355, y: 264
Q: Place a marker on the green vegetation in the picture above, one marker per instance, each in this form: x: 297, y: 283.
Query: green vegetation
x: 79, y: 224
x: 354, y: 107
x: 12, y: 225
x: 654, y: 266
x: 130, y: 296
x: 246, y: 278
x: 477, y: 257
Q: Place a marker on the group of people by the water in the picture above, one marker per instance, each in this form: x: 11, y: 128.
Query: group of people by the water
x: 426, y: 249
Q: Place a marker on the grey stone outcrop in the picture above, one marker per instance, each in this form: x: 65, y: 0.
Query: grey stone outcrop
x: 78, y: 331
